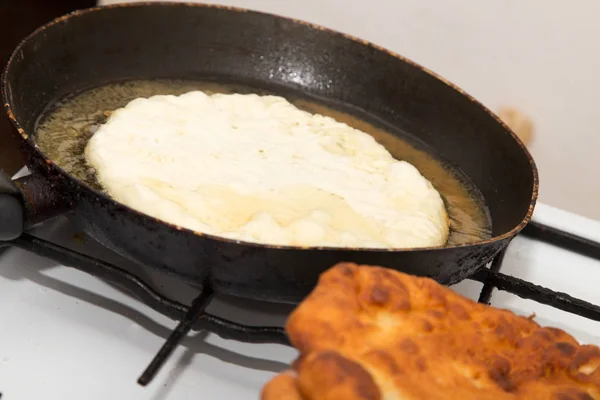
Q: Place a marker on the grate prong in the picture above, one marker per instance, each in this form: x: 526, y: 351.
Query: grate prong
x: 540, y: 294
x: 185, y: 325
x: 485, y: 296
x: 565, y: 240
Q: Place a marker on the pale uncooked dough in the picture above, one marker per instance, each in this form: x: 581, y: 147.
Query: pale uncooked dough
x: 258, y: 169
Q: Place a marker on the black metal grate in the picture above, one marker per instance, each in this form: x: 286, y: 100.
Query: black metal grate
x: 194, y: 317
x: 492, y: 278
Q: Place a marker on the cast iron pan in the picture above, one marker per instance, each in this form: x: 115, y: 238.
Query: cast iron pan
x: 175, y: 40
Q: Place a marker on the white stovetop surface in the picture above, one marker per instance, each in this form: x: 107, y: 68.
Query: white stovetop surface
x: 67, y: 335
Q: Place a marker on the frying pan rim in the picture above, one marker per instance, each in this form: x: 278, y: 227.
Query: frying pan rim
x: 33, y: 145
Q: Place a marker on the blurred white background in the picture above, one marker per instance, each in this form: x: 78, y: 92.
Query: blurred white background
x: 539, y: 56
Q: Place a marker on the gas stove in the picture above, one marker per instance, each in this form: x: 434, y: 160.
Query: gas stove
x: 69, y: 334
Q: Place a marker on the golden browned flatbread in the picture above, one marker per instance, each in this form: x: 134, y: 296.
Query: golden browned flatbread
x: 371, y: 333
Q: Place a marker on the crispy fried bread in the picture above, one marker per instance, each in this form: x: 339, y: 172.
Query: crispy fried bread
x: 372, y: 333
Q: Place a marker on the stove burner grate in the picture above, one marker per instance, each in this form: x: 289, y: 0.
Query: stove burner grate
x: 194, y: 317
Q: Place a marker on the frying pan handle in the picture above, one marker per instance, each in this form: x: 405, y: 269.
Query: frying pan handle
x: 12, y: 211
x: 25, y: 202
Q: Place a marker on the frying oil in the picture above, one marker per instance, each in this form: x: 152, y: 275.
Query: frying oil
x: 64, y: 129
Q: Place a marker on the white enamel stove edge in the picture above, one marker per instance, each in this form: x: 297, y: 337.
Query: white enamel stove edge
x: 67, y: 335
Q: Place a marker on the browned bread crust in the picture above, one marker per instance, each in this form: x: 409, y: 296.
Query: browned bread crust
x: 371, y: 333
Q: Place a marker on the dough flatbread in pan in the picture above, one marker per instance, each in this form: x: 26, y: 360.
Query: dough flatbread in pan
x: 259, y: 169
x: 373, y: 333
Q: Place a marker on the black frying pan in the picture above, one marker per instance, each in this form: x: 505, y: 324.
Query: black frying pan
x: 101, y: 45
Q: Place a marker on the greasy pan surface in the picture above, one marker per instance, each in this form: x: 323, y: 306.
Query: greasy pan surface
x: 190, y: 41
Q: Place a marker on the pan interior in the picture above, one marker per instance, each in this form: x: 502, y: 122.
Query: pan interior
x: 64, y: 128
